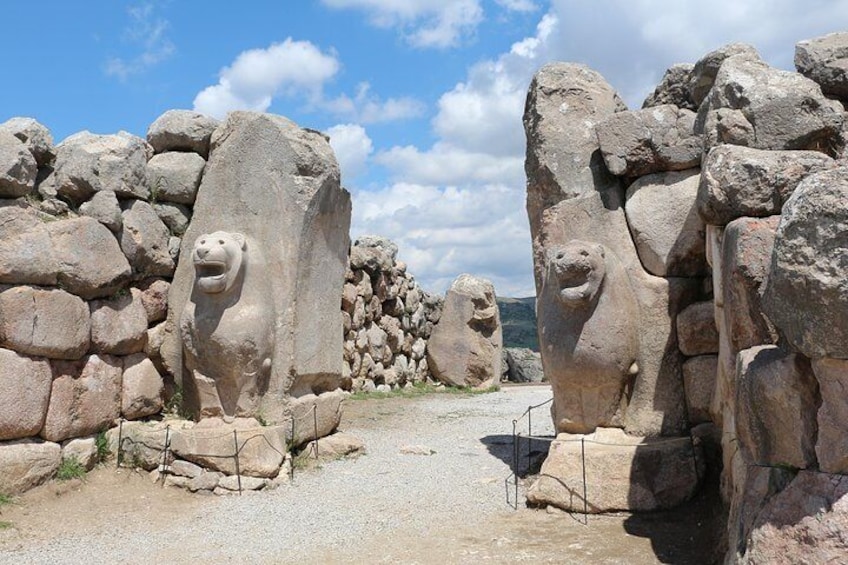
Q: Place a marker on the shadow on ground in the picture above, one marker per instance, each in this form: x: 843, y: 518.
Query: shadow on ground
x: 528, y: 456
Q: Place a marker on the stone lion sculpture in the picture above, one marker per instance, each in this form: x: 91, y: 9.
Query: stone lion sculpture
x: 226, y: 329
x: 588, y: 319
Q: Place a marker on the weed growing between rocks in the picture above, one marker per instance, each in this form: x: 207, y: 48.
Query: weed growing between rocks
x: 101, y: 443
x: 70, y: 468
x: 4, y: 525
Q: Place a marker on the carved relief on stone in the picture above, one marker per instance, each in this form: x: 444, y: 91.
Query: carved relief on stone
x: 588, y: 320
x: 227, y: 327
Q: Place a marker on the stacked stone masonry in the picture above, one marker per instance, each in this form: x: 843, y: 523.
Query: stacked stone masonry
x: 91, y: 233
x: 755, y: 230
x: 387, y: 318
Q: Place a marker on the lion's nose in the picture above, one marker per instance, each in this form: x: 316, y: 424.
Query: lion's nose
x: 202, y: 252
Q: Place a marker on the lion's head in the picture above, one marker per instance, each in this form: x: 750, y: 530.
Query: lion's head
x: 217, y: 260
x: 577, y: 269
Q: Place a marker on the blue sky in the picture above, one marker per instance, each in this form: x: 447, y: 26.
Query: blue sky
x: 422, y: 98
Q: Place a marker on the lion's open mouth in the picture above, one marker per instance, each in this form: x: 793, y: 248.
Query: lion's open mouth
x: 210, y: 270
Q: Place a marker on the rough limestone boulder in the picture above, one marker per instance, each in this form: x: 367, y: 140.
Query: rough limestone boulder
x: 119, y: 324
x: 85, y: 397
x: 144, y: 240
x: 175, y: 176
x: 704, y: 72
x: 26, y: 256
x: 746, y: 259
x: 44, y: 322
x: 274, y: 187
x: 673, y: 89
x: 83, y: 450
x: 699, y: 379
x: 25, y: 464
x: 182, y: 130
x: 17, y: 167
x: 825, y: 60
x: 24, y: 394
x: 649, y: 141
x: 696, y: 329
x: 465, y: 347
x: 776, y: 407
x: 176, y: 217
x: 261, y: 449
x: 87, y: 163
x: 622, y: 472
x: 808, y: 267
x: 832, y: 439
x: 758, y: 106
x: 104, y: 208
x: 373, y: 254
x: 154, y: 299
x: 740, y: 181
x: 523, y: 365
x: 564, y: 103
x: 666, y: 228
x: 587, y: 315
x: 87, y: 274
x: 35, y: 136
x: 804, y: 523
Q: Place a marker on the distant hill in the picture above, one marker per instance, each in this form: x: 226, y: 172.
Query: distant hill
x: 518, y: 319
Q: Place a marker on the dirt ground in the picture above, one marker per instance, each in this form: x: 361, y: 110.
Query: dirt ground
x: 108, y: 495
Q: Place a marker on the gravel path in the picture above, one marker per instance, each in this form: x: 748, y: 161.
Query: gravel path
x: 350, y: 510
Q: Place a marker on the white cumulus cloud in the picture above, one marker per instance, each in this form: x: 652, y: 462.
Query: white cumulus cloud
x: 367, y: 108
x: 518, y: 5
x: 423, y: 23
x: 258, y: 75
x: 352, y: 146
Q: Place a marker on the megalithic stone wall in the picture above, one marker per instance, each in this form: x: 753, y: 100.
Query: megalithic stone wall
x: 754, y: 232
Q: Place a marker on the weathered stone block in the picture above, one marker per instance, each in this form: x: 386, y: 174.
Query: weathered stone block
x: 465, y: 348
x: 776, y: 407
x: 49, y: 323
x: 85, y: 397
x: 622, y: 472
x: 175, y: 176
x: 832, y: 439
x: 740, y: 181
x: 808, y: 267
x: 25, y: 464
x: 699, y: 379
x: 88, y: 163
x: 119, y: 324
x: 24, y: 394
x: 696, y: 329
x: 142, y: 388
x: 648, y: 141
x: 17, y: 167
x: 181, y: 130
x: 667, y: 230
x: 746, y: 260
x: 82, y: 272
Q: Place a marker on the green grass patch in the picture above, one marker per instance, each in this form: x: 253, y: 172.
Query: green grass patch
x: 69, y: 469
x: 5, y: 499
x: 101, y: 443
x: 421, y: 389
x: 4, y: 525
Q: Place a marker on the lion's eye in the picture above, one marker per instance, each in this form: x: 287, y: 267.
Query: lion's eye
x: 220, y: 242
x: 560, y: 255
x: 202, y: 242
